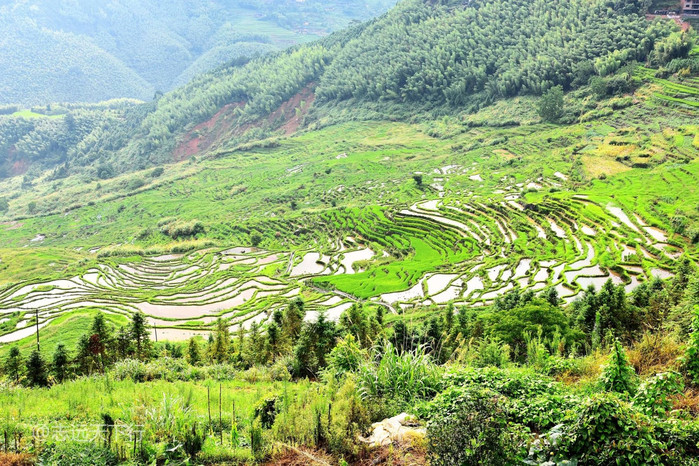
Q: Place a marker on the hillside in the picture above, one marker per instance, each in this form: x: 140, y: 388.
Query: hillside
x: 457, y: 61
x: 460, y: 233
x: 84, y: 51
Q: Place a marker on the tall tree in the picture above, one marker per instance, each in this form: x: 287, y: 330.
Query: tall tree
x: 36, y: 370
x: 221, y: 344
x: 551, y: 105
x: 59, y: 365
x: 140, y: 336
x: 193, y: 352
x: 13, y: 364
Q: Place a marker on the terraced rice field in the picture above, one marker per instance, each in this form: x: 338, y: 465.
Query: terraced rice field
x: 433, y: 252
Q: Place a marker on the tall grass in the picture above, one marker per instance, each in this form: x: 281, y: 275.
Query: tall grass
x: 403, y: 377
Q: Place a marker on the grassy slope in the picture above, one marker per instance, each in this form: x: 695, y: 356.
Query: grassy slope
x: 248, y: 187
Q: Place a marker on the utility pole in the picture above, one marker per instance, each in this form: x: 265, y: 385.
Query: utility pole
x: 38, y: 347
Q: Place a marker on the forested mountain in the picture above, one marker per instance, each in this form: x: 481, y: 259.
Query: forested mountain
x: 422, y: 56
x: 86, y: 51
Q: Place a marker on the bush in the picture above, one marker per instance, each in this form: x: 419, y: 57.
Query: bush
x: 607, y: 431
x: 77, y: 454
x: 691, y: 360
x: 348, y: 419
x: 551, y: 105
x: 529, y: 398
x: 492, y: 353
x: 157, y: 172
x: 618, y: 375
x: 470, y: 426
x: 179, y: 229
x: 266, y: 411
x: 16, y: 459
x: 347, y: 356
x: 279, y: 372
x: 171, y: 369
x: 653, y: 396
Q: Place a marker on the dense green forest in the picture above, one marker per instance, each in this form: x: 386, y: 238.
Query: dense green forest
x: 422, y: 58
x: 82, y: 51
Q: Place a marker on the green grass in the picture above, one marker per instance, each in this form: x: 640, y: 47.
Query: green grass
x: 29, y: 114
x: 84, y: 400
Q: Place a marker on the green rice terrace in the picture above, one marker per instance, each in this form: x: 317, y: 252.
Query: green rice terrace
x: 460, y: 213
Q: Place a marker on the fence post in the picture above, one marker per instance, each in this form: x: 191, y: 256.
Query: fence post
x: 208, y: 403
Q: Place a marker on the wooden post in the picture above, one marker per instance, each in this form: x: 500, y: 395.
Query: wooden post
x: 38, y: 348
x: 220, y: 419
x: 208, y: 402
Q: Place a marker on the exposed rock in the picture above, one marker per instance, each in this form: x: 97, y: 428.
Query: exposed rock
x: 396, y: 429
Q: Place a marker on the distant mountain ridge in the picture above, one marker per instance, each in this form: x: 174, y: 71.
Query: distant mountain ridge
x: 421, y: 59
x: 86, y: 51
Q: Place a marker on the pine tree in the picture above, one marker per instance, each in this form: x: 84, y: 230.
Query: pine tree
x: 273, y: 339
x: 36, y: 370
x: 59, y: 365
x: 293, y: 320
x: 13, y: 364
x: 193, y: 352
x: 100, y: 338
x: 221, y: 342
x: 551, y: 296
x: 124, y: 347
x: 449, y: 318
x: 597, y: 331
x: 139, y: 335
x: 83, y: 356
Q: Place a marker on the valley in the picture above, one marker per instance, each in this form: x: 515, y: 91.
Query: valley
x: 459, y: 233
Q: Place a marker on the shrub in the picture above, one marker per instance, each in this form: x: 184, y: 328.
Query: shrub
x: 529, y: 398
x: 157, y: 172
x: 654, y: 353
x: 512, y: 383
x: 16, y: 459
x: 691, y: 360
x: 653, y: 396
x: 130, y: 369
x: 279, y: 372
x: 556, y: 365
x: 347, y: 356
x: 348, y: 419
x: 179, y: 229
x: 266, y: 411
x: 136, y: 183
x: 606, y: 431
x: 618, y: 375
x: 470, y: 426
x: 550, y: 106
x: 492, y: 353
